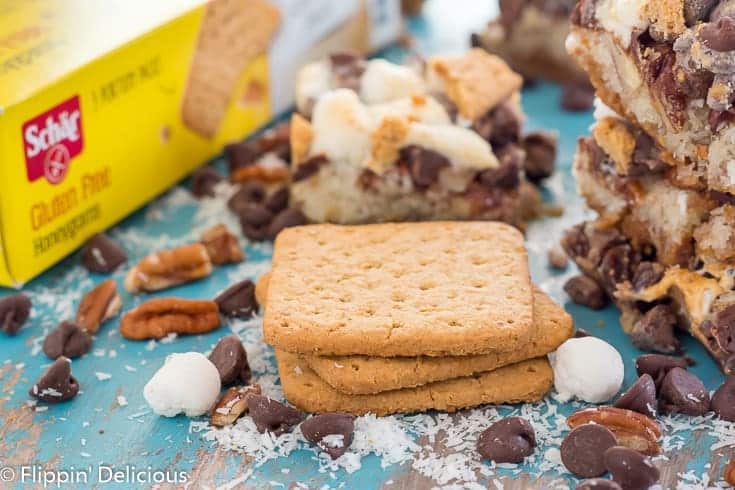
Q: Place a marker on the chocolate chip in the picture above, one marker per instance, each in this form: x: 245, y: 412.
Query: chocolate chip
x: 272, y: 416
x: 230, y: 359
x: 654, y: 331
x: 719, y: 36
x: 658, y: 366
x: 723, y: 401
x: 68, y: 340
x: 557, y: 258
x: 630, y: 469
x: 424, y: 165
x: 721, y: 328
x: 540, y: 149
x: 241, y: 155
x: 56, y: 384
x: 285, y: 219
x: 277, y: 140
x: 345, y: 57
x: 576, y: 96
x: 347, y: 69
x: 507, y: 175
x: 641, y: 397
x: 581, y: 333
x: 647, y: 274
x: 616, y: 266
x: 203, y: 182
x: 278, y: 200
x: 102, y: 255
x: 238, y: 301
x: 249, y: 193
x: 583, y: 449
x: 683, y: 392
x: 586, y: 292
x: 696, y: 11
x: 598, y: 484
x: 332, y: 432
x: 507, y: 441
x: 500, y: 126
x: 254, y: 221
x: 14, y: 312
x: 308, y: 167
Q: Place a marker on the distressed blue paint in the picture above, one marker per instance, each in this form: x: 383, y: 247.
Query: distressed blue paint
x: 162, y: 443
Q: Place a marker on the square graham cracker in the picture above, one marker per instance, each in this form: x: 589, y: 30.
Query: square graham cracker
x: 361, y: 375
x: 526, y: 381
x: 399, y: 289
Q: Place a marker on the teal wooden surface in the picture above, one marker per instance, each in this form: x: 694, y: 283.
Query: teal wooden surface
x: 109, y: 424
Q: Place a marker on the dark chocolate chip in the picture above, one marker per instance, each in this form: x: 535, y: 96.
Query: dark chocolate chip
x: 56, y: 384
x: 641, y: 397
x: 507, y: 175
x: 683, y: 392
x: 68, y: 340
x: 325, y: 430
x: 721, y: 327
x: 696, y: 11
x: 630, y: 469
x: 249, y: 193
x: 203, y: 182
x: 500, y: 126
x: 586, y: 292
x: 616, y: 266
x: 14, y: 312
x: 238, y: 300
x: 658, y: 366
x: 277, y: 140
x: 254, y: 221
x: 285, y: 219
x: 540, y: 149
x: 575, y: 242
x: 345, y: 57
x: 423, y: 164
x: 308, y: 167
x: 598, y: 484
x: 278, y: 201
x: 272, y: 416
x: 581, y: 333
x: 576, y: 96
x: 229, y: 357
x: 583, y: 449
x: 654, y: 331
x: 723, y: 401
x: 241, y: 155
x: 102, y: 255
x: 509, y: 440
x: 647, y: 274
x: 719, y: 36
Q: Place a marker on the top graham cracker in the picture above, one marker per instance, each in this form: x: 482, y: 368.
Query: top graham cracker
x: 399, y: 289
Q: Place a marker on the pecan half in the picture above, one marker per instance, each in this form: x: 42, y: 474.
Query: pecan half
x: 98, y: 305
x: 266, y: 170
x: 222, y: 245
x: 632, y: 429
x: 233, y: 404
x: 159, y: 317
x: 169, y: 268
x: 729, y: 474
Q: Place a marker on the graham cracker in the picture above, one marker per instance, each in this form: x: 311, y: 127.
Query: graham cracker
x: 526, y: 381
x: 232, y: 33
x: 476, y: 81
x: 360, y: 375
x: 399, y: 289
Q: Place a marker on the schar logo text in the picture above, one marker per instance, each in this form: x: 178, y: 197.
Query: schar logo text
x: 51, y: 140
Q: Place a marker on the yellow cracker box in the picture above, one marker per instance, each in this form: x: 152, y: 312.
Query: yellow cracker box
x: 104, y: 104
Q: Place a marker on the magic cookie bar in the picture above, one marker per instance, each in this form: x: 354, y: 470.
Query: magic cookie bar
x: 359, y: 375
x: 399, y: 289
x: 530, y: 36
x: 527, y: 381
x: 667, y: 66
x: 377, y: 142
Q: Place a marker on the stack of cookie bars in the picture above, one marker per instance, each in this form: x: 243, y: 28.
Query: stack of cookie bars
x: 659, y: 167
x: 391, y: 318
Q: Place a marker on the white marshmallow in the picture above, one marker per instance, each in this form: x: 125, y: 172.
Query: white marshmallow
x: 187, y: 383
x: 587, y: 368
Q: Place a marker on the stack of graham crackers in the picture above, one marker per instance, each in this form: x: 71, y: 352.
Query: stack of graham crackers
x: 392, y: 318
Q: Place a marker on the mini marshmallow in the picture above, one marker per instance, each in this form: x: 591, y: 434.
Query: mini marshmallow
x: 187, y: 383
x: 587, y: 368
